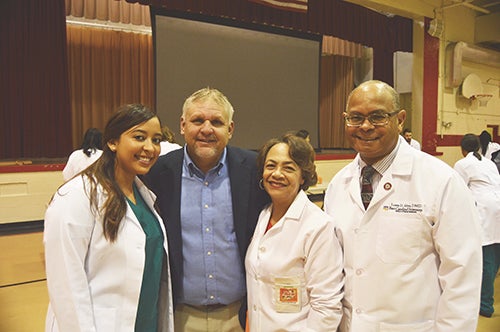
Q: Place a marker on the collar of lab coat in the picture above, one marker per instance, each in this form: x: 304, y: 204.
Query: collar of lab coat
x: 148, y: 196
x: 296, y: 209
x: 401, y: 166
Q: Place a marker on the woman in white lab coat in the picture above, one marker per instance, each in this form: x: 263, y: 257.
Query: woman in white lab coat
x: 481, y: 176
x: 294, y: 262
x: 82, y: 158
x: 487, y: 145
x: 105, y: 245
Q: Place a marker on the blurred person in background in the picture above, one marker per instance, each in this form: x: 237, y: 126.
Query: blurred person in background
x: 481, y: 176
x: 168, y: 143
x: 88, y: 153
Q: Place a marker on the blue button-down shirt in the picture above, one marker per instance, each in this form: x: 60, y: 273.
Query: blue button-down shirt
x: 213, y: 272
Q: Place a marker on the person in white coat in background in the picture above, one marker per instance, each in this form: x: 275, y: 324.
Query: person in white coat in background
x: 88, y: 153
x: 481, y: 176
x: 294, y: 262
x: 168, y: 142
x: 412, y: 257
x: 408, y: 136
x: 105, y: 244
x: 487, y: 145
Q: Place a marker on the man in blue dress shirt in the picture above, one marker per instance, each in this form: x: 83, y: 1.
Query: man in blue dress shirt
x: 209, y: 199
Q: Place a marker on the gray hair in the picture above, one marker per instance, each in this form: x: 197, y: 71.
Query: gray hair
x: 209, y: 94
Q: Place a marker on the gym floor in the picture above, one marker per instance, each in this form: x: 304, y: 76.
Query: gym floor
x: 23, y: 288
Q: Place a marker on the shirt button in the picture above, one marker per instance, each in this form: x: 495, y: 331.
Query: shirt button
x: 358, y: 311
x: 212, y: 297
x: 262, y: 249
x: 209, y: 253
x: 356, y: 230
x: 206, y: 206
x: 207, y: 229
x: 359, y: 272
x: 206, y: 183
x: 254, y: 307
x: 210, y: 276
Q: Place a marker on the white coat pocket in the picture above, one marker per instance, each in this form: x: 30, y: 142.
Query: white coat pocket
x: 400, y: 239
x: 288, y: 294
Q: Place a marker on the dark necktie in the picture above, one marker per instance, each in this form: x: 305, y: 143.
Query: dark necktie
x: 366, y: 185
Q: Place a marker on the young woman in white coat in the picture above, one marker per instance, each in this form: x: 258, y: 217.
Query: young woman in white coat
x: 481, y: 176
x: 294, y: 262
x: 105, y: 244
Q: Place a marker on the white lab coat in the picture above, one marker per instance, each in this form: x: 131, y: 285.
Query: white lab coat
x: 303, y: 251
x: 482, y: 178
x: 94, y: 285
x: 415, y: 144
x: 78, y: 161
x: 413, y: 260
x: 492, y: 147
x: 166, y: 147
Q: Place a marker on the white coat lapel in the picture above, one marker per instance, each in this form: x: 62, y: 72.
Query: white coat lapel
x: 354, y: 188
x: 400, y: 167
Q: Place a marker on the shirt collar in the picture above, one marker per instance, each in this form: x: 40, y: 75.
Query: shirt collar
x: 383, y: 164
x: 194, y: 170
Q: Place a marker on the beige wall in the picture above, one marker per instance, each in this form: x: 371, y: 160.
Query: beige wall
x: 461, y: 115
x: 24, y: 196
x: 458, y: 26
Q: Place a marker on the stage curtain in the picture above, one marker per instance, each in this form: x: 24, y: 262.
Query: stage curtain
x: 107, y: 69
x: 34, y: 99
x: 117, y: 11
x: 337, y: 81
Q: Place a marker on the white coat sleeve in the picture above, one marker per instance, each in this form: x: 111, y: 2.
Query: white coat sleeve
x: 68, y: 230
x: 324, y: 279
x: 457, y: 240
x: 460, y: 168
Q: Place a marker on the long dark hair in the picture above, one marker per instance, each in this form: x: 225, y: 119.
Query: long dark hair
x: 92, y: 140
x: 485, y: 139
x: 470, y: 143
x: 102, y: 172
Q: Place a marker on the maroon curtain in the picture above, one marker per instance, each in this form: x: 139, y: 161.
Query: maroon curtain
x: 34, y: 95
x: 35, y: 120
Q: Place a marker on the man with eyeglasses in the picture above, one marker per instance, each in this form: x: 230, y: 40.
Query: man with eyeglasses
x: 413, y: 255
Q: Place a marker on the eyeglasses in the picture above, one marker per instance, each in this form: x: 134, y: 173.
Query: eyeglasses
x: 376, y: 119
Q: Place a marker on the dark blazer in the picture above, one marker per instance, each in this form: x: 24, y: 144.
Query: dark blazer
x: 248, y: 199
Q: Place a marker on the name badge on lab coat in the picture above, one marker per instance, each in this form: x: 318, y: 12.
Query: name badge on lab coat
x: 287, y: 294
